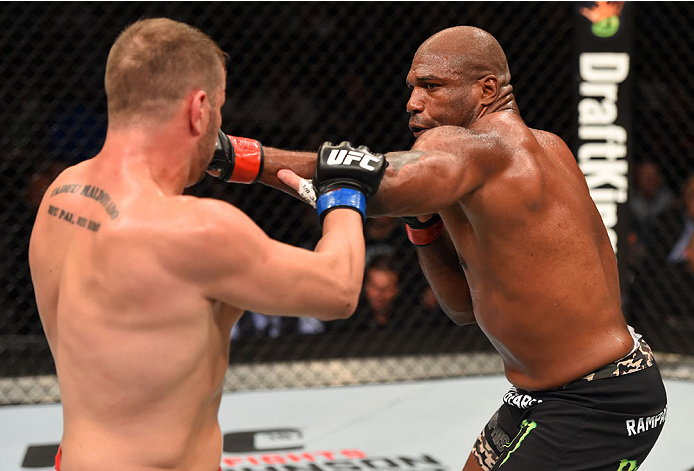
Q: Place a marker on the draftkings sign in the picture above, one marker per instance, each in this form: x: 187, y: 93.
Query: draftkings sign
x: 602, y: 147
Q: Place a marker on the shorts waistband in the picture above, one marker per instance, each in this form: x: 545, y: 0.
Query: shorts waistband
x: 639, y: 359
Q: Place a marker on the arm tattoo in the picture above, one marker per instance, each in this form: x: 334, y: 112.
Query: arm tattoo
x: 397, y: 160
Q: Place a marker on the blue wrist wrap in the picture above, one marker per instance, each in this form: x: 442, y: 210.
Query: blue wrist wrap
x: 341, y: 197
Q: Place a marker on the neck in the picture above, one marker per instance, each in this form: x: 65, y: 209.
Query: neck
x: 156, y: 153
x: 506, y: 101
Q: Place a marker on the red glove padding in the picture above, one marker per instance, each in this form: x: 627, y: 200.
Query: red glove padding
x: 423, y: 233
x: 237, y: 159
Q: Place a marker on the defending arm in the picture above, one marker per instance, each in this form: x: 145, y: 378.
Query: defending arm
x: 439, y: 262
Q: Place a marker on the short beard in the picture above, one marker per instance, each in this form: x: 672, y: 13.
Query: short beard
x: 205, y: 149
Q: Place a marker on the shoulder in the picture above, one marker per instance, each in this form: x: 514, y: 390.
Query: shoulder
x: 452, y: 138
x: 173, y: 217
x: 546, y: 138
x: 191, y: 220
x: 184, y: 233
x: 517, y: 137
x: 488, y: 144
x: 491, y: 133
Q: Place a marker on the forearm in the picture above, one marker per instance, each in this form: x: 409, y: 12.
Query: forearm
x: 439, y: 262
x: 343, y: 234
x: 385, y: 202
x: 301, y: 163
x: 340, y: 256
x: 396, y: 196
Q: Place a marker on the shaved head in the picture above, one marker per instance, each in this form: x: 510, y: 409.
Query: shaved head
x: 470, y: 52
x: 457, y: 76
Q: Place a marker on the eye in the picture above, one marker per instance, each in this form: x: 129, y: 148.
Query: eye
x: 430, y: 86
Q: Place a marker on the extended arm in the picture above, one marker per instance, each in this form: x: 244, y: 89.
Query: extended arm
x: 261, y: 274
x: 302, y: 163
x: 445, y: 164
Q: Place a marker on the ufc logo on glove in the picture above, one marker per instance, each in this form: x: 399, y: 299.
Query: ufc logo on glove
x: 345, y: 157
x: 338, y: 182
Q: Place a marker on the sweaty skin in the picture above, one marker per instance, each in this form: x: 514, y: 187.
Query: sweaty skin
x: 526, y: 254
x: 138, y: 311
x: 138, y: 288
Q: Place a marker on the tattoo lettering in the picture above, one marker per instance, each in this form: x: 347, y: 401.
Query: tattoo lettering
x: 397, y: 160
x: 67, y: 216
x: 90, y: 191
x: 70, y: 188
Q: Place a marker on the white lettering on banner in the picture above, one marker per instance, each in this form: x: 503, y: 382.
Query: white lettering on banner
x: 604, y: 162
x: 351, y: 460
x: 604, y: 67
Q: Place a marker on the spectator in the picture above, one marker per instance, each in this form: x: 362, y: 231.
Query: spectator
x: 382, y: 238
x: 668, y: 234
x: 661, y: 300
x: 381, y: 288
x: 677, y: 254
x: 256, y: 324
x: 650, y: 196
x: 379, y: 302
x: 679, y: 304
x: 648, y: 200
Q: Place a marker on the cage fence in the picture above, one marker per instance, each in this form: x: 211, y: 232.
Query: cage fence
x: 304, y: 73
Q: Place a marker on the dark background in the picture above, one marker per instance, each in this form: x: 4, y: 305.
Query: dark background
x: 303, y: 73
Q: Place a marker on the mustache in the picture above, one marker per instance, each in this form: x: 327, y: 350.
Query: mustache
x: 415, y: 121
x: 414, y: 127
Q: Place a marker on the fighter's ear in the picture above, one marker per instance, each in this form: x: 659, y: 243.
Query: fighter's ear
x: 490, y: 89
x: 198, y: 111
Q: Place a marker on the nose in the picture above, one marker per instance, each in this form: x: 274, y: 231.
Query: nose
x: 415, y: 104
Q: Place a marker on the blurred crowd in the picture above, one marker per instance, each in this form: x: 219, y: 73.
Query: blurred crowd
x: 660, y: 290
x: 395, y: 295
x: 301, y: 75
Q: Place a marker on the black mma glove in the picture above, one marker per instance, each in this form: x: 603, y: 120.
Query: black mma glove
x: 345, y: 177
x: 236, y: 159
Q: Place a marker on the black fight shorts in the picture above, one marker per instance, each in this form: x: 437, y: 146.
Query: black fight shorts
x: 606, y: 421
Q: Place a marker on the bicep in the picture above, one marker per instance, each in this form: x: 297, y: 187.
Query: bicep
x: 267, y: 276
x: 241, y: 266
x: 437, y: 172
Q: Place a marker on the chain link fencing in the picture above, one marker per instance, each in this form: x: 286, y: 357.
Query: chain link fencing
x: 301, y: 74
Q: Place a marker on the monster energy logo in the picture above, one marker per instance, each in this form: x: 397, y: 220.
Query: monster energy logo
x: 526, y: 428
x: 630, y: 463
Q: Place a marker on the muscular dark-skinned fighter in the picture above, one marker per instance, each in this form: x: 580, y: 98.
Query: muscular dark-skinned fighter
x: 509, y: 237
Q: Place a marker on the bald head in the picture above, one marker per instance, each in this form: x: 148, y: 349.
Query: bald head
x: 458, y: 76
x: 473, y: 52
